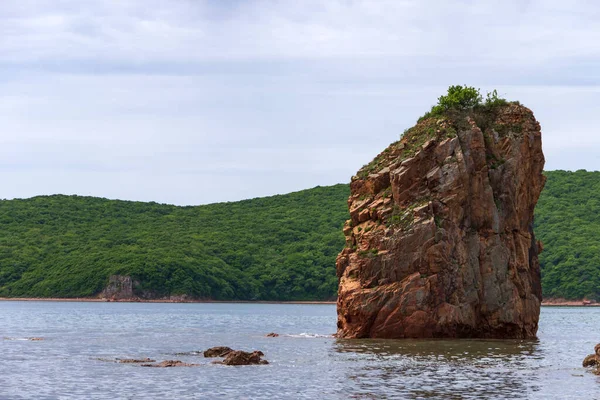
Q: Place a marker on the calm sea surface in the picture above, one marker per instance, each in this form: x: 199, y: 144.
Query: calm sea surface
x: 304, y: 361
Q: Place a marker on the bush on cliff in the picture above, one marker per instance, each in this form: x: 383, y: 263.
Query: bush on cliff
x: 458, y: 97
x: 464, y: 98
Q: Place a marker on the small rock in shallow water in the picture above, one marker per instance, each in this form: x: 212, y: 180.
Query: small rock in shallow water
x: 189, y: 353
x: 105, y: 359
x: 219, y: 351
x: 272, y: 334
x: 135, y: 360
x: 593, y: 360
x: 238, y: 357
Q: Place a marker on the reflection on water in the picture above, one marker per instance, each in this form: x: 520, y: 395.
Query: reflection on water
x: 443, y: 368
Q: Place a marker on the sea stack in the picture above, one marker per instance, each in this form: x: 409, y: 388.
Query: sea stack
x: 440, y: 242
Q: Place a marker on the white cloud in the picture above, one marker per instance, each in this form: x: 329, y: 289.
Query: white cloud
x: 200, y: 101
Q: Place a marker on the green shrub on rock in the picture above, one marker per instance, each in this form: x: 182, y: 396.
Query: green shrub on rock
x: 463, y: 98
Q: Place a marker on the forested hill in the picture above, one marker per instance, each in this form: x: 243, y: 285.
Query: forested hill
x: 273, y: 248
x: 567, y: 221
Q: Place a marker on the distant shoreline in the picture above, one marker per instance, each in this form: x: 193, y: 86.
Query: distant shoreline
x: 568, y: 303
x: 97, y: 300
x: 545, y: 303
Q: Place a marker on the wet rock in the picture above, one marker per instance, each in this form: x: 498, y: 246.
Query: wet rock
x: 170, y: 363
x: 35, y: 339
x: 110, y: 360
x: 590, y: 361
x: 272, y: 334
x: 447, y: 247
x: 218, y: 351
x: 238, y: 357
x: 135, y: 360
x: 593, y: 360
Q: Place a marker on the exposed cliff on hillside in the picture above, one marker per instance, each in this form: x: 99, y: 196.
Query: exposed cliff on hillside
x: 119, y: 288
x: 440, y: 242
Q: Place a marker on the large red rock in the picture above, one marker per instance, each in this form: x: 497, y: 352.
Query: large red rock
x: 440, y: 242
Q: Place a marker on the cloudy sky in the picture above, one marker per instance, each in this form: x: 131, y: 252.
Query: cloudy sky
x: 192, y: 102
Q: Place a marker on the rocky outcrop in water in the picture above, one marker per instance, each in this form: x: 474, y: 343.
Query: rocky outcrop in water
x: 440, y: 242
x: 218, y: 351
x: 593, y: 360
x: 235, y: 357
x: 170, y: 363
x: 239, y: 357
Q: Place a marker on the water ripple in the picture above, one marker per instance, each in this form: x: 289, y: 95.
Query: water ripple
x: 305, y: 361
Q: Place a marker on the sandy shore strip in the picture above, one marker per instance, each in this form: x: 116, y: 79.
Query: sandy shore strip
x: 568, y: 303
x: 97, y: 300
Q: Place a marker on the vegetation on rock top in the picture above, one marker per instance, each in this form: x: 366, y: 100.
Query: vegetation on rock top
x: 465, y: 98
x: 443, y: 121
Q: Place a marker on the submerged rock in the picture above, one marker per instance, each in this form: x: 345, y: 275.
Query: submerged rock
x: 170, y: 363
x: 440, y: 242
x: 189, y: 353
x: 135, y: 360
x: 218, y: 351
x: 238, y: 357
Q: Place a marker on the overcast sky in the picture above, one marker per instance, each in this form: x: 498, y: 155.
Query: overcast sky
x: 193, y: 102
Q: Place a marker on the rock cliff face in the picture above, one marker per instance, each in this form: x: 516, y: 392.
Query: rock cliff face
x: 119, y: 288
x: 440, y: 242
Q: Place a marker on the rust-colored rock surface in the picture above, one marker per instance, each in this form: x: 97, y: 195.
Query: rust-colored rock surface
x: 218, y: 351
x: 593, y: 360
x: 239, y: 357
x: 440, y: 242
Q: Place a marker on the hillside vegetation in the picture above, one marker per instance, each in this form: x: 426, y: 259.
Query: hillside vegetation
x: 273, y: 248
x: 568, y: 223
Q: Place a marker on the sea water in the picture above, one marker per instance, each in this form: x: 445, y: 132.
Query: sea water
x: 81, y: 342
